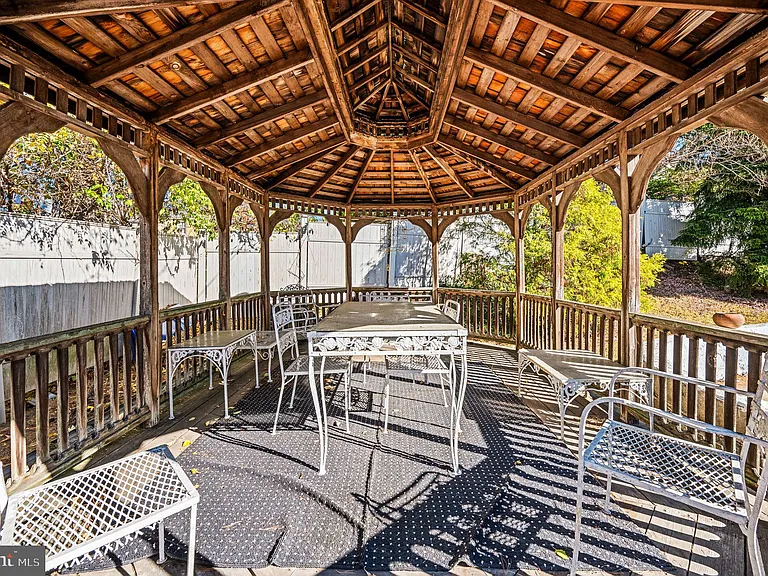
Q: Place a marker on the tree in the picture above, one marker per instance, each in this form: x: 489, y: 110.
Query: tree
x: 724, y: 172
x: 592, y: 249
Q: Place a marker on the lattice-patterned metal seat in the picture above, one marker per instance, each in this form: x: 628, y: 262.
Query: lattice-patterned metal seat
x: 700, y: 476
x: 88, y: 514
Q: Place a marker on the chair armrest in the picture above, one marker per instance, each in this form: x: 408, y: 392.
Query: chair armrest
x: 634, y: 370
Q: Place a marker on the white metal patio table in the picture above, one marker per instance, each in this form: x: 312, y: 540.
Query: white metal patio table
x: 389, y: 329
x: 218, y: 347
x: 574, y: 373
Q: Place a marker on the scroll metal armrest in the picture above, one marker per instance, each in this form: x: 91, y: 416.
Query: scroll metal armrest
x: 635, y: 370
x: 676, y: 418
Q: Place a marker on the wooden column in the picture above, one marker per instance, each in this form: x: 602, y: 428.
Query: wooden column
x: 266, y: 232
x: 558, y: 281
x: 348, y: 254
x: 148, y: 278
x: 225, y: 264
x: 519, y: 232
x: 435, y: 239
x: 630, y: 254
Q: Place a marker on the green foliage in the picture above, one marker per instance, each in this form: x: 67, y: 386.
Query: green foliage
x: 187, y: 208
x: 725, y: 173
x: 592, y: 250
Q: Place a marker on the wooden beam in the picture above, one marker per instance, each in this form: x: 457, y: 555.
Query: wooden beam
x: 424, y: 12
x: 296, y: 168
x: 487, y: 157
x: 285, y: 139
x: 333, y: 171
x: 738, y: 6
x: 295, y: 158
x: 349, y: 46
x: 352, y: 14
x: 486, y: 169
x: 311, y: 15
x: 448, y: 169
x: 370, y: 78
x: 12, y: 11
x: 366, y: 58
x: 423, y: 174
x: 260, y: 119
x: 417, y: 35
x: 510, y: 115
x: 505, y: 141
x: 414, y: 58
x: 457, y: 32
x: 180, y: 40
x: 564, y: 91
x: 360, y: 174
x: 623, y: 48
x: 233, y: 86
x: 379, y: 87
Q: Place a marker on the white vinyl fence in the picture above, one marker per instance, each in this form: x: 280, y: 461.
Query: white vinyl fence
x: 60, y: 274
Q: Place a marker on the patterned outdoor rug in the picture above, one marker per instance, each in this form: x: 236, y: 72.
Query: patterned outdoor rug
x: 389, y: 501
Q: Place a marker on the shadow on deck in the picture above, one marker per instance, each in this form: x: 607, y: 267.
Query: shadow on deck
x: 693, y: 543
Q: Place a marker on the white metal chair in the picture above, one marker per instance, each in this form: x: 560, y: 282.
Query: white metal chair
x: 384, y: 296
x: 452, y: 309
x: 304, y: 306
x: 87, y: 515
x: 702, y: 477
x: 285, y: 334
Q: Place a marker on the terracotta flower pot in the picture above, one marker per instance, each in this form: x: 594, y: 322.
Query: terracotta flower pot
x: 726, y: 320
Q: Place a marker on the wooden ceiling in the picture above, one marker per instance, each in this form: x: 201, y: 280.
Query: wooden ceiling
x: 384, y: 101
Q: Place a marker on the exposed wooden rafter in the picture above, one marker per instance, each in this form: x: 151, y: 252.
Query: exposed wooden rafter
x: 487, y: 157
x: 298, y: 157
x: 448, y: 169
x: 423, y: 174
x: 258, y: 120
x: 12, y: 11
x: 554, y: 87
x: 598, y: 37
x: 333, y: 171
x: 366, y: 162
x: 180, y: 40
x: 237, y: 84
x: 738, y: 6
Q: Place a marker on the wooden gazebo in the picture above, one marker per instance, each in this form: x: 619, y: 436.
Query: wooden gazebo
x: 356, y: 110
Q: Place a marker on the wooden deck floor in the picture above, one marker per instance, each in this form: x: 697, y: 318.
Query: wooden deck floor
x: 693, y: 542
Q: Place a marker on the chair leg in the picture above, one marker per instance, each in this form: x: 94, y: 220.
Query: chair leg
x: 577, y: 532
x: 607, y: 503
x: 386, y: 405
x: 347, y: 392
x: 191, y: 543
x: 442, y: 389
x: 161, y: 541
x: 753, y: 548
x: 365, y: 371
x: 279, y: 401
x: 269, y: 366
x: 293, y: 392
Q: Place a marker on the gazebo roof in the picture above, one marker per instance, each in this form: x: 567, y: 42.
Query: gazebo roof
x: 384, y: 102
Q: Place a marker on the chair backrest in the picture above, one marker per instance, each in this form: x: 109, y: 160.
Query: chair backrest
x: 452, y: 309
x: 285, y: 330
x: 384, y: 296
x: 292, y: 288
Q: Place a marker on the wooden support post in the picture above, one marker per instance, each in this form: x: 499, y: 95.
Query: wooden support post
x: 558, y: 285
x: 266, y: 232
x: 225, y: 291
x: 348, y: 254
x: 435, y: 239
x: 519, y: 232
x: 630, y: 254
x: 149, y: 303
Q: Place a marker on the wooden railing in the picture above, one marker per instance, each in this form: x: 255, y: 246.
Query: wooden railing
x: 414, y: 294
x: 81, y: 382
x: 535, y: 321
x: 586, y: 327
x: 694, y: 349
x: 486, y: 315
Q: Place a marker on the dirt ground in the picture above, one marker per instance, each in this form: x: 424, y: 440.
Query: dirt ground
x: 680, y: 293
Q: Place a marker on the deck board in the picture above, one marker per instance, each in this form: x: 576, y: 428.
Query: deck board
x: 696, y: 543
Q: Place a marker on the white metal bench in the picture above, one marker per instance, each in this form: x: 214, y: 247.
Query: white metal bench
x: 701, y: 476
x: 87, y: 515
x: 574, y: 373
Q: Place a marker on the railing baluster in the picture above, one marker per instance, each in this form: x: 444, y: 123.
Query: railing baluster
x: 18, y: 418
x: 114, y: 378
x: 729, y: 402
x: 42, y: 441
x: 710, y: 373
x: 81, y: 391
x: 98, y: 371
x: 62, y: 399
x: 127, y: 392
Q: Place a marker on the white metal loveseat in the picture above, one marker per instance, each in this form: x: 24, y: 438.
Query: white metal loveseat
x: 88, y: 514
x: 700, y: 476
